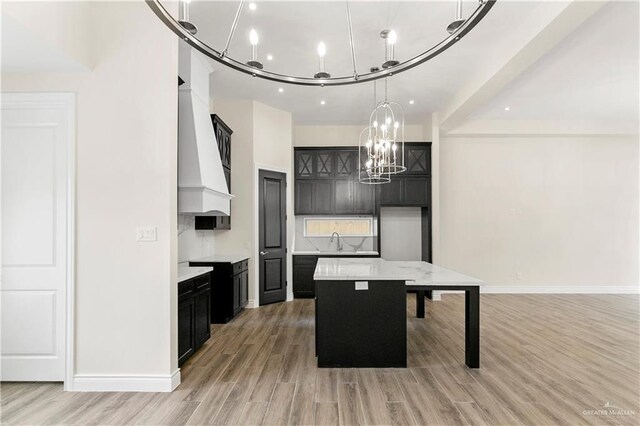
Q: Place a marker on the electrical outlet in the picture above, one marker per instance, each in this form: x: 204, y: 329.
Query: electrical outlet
x: 519, y: 275
x: 146, y: 234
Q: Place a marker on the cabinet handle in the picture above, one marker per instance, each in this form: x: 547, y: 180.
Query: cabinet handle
x: 262, y: 253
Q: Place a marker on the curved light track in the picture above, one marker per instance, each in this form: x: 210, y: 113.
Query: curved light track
x: 483, y: 8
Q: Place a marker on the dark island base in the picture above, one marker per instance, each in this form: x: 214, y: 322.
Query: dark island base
x: 361, y: 328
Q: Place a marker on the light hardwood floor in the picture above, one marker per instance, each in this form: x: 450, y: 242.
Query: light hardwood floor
x: 545, y: 359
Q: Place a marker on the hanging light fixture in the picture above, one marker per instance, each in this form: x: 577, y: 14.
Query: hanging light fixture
x: 186, y: 30
x: 457, y: 23
x: 253, y: 39
x: 390, y: 37
x: 381, y: 144
x: 183, y: 17
x: 322, y: 51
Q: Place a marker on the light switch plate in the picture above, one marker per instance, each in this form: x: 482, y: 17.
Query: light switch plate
x: 146, y: 234
x: 362, y: 285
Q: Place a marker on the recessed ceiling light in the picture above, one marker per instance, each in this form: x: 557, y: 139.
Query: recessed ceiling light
x: 411, y: 102
x: 269, y: 57
x: 507, y: 108
x: 322, y: 102
x: 280, y: 89
x: 252, y: 6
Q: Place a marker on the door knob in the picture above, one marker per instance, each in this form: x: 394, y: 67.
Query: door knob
x: 262, y: 253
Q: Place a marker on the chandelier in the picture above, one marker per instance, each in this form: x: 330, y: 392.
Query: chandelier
x: 187, y: 31
x: 381, y: 143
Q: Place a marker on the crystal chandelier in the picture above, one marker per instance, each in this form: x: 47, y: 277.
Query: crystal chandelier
x: 381, y: 144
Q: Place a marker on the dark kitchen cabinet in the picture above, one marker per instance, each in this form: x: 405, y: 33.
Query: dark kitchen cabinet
x: 305, y: 164
x: 344, y: 196
x: 323, y: 197
x: 391, y: 193
x: 303, y: 269
x: 364, y: 198
x: 413, y: 187
x: 223, y: 138
x: 406, y: 191
x: 417, y: 159
x: 194, y: 308
x: 327, y: 183
x: 186, y: 346
x: 303, y: 203
x: 345, y: 164
x: 229, y: 291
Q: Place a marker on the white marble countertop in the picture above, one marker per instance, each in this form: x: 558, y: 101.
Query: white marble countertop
x: 187, y: 272
x: 414, y: 272
x: 222, y: 258
x: 336, y: 253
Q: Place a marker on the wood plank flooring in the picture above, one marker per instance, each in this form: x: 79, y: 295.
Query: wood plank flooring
x: 545, y: 360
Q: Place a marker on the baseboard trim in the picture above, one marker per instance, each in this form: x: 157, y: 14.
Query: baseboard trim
x: 552, y: 289
x: 126, y: 383
x: 251, y: 304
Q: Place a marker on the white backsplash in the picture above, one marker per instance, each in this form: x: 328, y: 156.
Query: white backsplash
x: 193, y: 244
x: 349, y: 244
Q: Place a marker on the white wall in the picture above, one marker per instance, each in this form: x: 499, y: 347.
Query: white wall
x: 126, y: 177
x: 262, y: 136
x: 333, y: 135
x: 541, y: 210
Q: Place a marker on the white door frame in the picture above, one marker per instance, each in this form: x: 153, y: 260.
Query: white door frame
x: 256, y: 235
x: 67, y: 102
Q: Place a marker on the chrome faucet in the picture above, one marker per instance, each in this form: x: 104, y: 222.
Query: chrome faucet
x: 339, y: 243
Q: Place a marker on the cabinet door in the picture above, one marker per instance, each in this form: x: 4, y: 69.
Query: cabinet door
x: 237, y: 284
x: 244, y: 288
x: 304, y: 165
x: 364, y: 200
x: 304, y: 197
x: 416, y: 191
x: 417, y: 160
x: 227, y: 177
x: 324, y: 164
x: 323, y: 197
x: 186, y: 345
x: 345, y: 164
x: 391, y: 193
x: 344, y: 195
x: 201, y: 327
x: 303, y: 270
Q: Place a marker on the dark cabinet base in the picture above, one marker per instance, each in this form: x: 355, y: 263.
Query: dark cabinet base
x: 194, y: 322
x: 361, y: 328
x: 229, y: 289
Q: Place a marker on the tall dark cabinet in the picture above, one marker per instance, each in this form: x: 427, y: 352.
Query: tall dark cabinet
x: 223, y: 138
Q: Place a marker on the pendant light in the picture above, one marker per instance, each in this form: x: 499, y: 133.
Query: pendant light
x: 183, y: 17
x: 390, y: 37
x: 253, y: 39
x: 322, y: 51
x: 457, y: 23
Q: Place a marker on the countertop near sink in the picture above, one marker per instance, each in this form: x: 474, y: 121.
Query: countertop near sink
x: 220, y: 258
x: 337, y: 253
x: 187, y: 272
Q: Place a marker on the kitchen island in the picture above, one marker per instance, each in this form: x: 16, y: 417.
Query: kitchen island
x: 361, y: 309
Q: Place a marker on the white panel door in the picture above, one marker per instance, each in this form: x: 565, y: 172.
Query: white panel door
x: 37, y: 131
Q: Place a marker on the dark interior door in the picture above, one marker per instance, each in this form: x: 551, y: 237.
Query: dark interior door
x: 272, y: 243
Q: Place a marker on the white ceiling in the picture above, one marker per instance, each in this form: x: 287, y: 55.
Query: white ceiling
x: 593, y: 74
x: 290, y: 32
